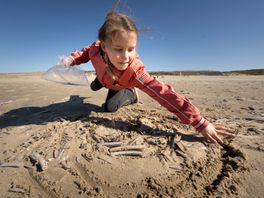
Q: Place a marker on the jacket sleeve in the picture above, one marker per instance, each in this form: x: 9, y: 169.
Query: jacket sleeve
x: 80, y: 57
x: 165, y: 96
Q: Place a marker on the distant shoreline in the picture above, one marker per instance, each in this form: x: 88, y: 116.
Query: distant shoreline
x: 177, y: 73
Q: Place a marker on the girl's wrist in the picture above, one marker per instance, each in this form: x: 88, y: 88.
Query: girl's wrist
x: 72, y: 60
x: 201, y: 124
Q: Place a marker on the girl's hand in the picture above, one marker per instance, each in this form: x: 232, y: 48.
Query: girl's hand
x: 66, y: 61
x: 212, y: 132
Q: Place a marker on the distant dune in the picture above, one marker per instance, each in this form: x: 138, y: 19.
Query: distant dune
x: 211, y: 73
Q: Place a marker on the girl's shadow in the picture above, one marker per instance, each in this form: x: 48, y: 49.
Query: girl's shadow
x: 74, y: 108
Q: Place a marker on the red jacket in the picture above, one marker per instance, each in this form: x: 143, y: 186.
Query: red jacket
x: 136, y: 76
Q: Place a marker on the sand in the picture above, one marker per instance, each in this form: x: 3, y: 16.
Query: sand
x: 56, y: 141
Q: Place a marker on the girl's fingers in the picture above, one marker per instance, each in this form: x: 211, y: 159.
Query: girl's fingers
x: 212, y: 133
x: 218, y: 139
x: 224, y: 131
x: 219, y: 127
x: 211, y: 139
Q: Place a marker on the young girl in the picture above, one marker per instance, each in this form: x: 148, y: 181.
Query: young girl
x: 119, y: 69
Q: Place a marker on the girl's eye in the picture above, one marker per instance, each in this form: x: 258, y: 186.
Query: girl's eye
x: 131, y: 50
x: 120, y: 49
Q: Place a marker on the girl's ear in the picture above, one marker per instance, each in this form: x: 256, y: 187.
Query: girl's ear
x: 103, y: 45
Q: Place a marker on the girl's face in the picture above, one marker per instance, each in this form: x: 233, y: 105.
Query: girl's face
x: 121, y: 49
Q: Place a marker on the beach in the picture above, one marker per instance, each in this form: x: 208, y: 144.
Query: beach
x: 57, y: 142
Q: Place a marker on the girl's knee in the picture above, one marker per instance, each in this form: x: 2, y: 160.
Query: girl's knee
x: 108, y: 107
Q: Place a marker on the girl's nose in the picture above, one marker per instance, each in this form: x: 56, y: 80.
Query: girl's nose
x: 125, y: 54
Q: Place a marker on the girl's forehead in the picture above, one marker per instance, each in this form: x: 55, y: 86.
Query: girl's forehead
x: 124, y: 37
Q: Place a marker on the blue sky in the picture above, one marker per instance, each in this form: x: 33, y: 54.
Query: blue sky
x: 182, y: 34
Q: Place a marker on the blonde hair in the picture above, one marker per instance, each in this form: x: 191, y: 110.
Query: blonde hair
x: 115, y: 22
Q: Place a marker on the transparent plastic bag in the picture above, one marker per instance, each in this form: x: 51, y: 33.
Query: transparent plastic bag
x: 72, y: 75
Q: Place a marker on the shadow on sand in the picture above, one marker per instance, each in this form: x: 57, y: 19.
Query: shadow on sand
x: 75, y: 109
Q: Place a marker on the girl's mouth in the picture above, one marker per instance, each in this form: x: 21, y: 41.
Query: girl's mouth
x: 122, y: 63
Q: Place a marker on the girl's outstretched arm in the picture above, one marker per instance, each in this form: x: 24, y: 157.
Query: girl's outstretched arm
x: 168, y: 98
x: 181, y: 106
